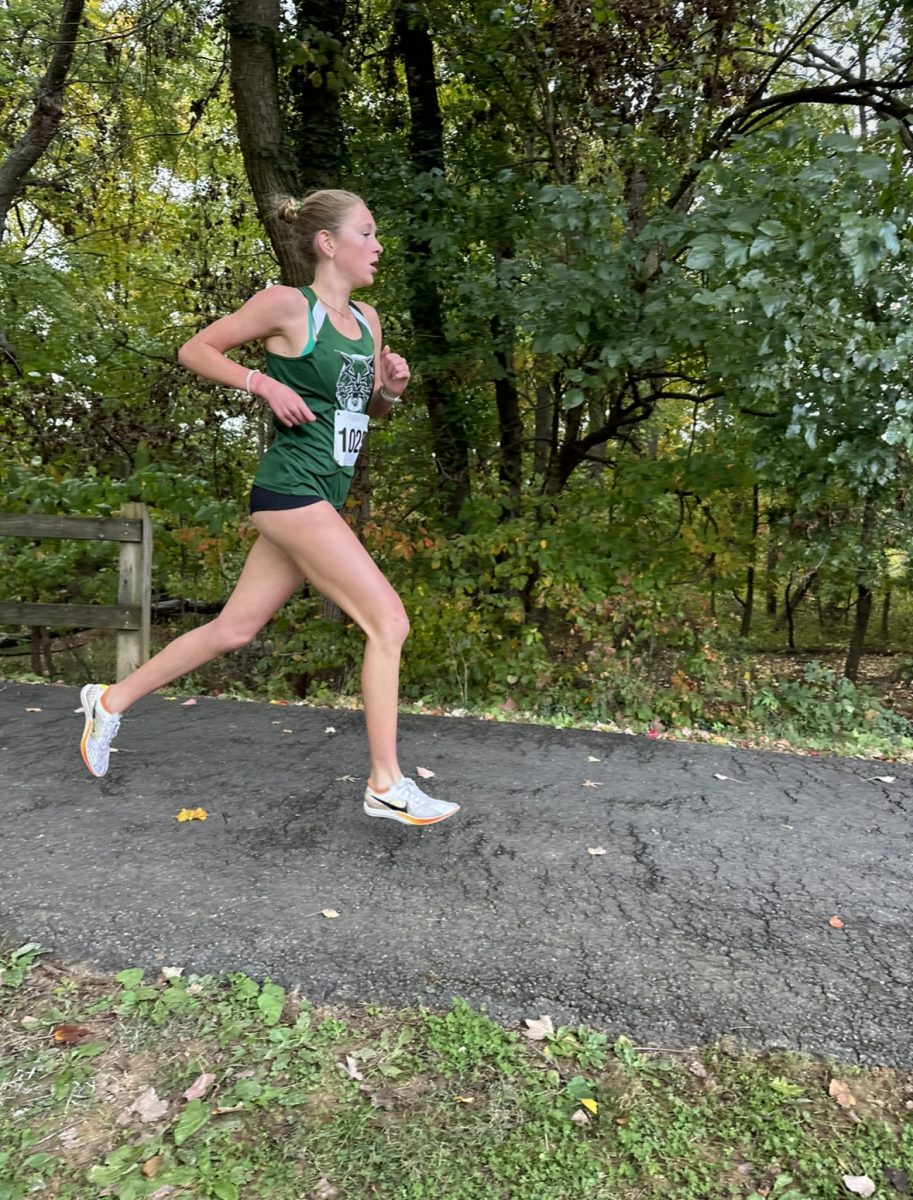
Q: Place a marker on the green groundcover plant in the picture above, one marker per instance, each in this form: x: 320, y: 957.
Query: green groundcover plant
x: 223, y: 1089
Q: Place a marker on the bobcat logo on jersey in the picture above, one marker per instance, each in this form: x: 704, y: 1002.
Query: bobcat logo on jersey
x: 356, y: 382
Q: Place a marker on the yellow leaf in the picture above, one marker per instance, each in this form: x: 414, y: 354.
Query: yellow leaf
x: 464, y: 1099
x: 590, y: 1105
x: 192, y: 814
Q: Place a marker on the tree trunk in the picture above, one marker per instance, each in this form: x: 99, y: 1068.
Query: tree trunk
x: 748, y: 608
x: 792, y: 601
x: 546, y: 425
x: 426, y: 148
x: 46, y: 112
x: 510, y: 423
x: 885, y: 615
x: 863, y: 594
x: 316, y: 128
x: 773, y: 557
x: 857, y: 637
x: 253, y: 27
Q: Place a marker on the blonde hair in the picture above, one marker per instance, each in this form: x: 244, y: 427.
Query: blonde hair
x: 325, y: 209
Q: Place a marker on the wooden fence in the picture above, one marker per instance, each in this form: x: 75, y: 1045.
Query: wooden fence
x: 130, y: 616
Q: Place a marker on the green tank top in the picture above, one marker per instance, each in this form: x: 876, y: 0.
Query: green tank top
x: 334, y: 376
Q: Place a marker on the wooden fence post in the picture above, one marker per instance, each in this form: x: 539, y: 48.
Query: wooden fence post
x: 134, y: 589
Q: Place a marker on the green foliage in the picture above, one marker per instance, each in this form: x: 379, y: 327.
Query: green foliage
x: 828, y: 708
x: 677, y: 352
x: 195, y: 534
x: 412, y: 1103
x: 15, y: 967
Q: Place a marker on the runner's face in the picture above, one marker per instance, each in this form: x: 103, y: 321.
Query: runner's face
x: 357, y: 248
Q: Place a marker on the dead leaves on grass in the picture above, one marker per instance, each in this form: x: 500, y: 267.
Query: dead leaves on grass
x: 70, y: 1035
x: 841, y: 1093
x: 538, y: 1031
x: 199, y: 1087
x: 325, y: 1190
x: 859, y: 1185
x: 148, y: 1106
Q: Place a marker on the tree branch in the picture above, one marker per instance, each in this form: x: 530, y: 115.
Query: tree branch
x: 46, y: 112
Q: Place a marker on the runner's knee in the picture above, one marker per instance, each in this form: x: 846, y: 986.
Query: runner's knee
x: 234, y: 635
x: 389, y: 625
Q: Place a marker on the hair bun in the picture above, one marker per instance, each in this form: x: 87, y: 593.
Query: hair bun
x: 287, y: 209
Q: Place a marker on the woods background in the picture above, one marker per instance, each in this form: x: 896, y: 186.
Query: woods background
x: 649, y: 261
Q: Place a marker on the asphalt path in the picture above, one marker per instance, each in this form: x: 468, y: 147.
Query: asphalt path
x: 707, y: 915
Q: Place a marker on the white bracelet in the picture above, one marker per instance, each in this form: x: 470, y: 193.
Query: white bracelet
x: 385, y: 395
x: 250, y: 374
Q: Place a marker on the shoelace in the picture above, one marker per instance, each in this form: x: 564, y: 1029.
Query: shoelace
x: 110, y: 723
x: 410, y: 792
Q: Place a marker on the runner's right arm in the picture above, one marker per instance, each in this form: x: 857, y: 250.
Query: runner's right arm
x: 269, y: 313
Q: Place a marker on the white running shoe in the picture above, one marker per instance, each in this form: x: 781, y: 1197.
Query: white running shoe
x: 101, y: 728
x: 404, y: 801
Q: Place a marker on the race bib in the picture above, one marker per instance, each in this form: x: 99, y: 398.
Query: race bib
x: 349, y: 431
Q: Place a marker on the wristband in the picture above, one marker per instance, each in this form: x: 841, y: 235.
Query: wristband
x: 250, y: 374
x: 385, y: 395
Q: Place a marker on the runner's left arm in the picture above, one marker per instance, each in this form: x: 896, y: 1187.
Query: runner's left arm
x: 391, y: 371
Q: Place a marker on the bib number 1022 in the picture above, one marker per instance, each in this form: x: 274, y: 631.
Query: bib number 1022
x: 349, y: 431
x: 350, y: 440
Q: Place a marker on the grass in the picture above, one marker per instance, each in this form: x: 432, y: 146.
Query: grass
x: 307, y: 1103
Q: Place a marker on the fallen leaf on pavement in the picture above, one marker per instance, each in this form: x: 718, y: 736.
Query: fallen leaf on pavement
x: 538, y: 1031
x: 728, y: 778
x: 187, y: 703
x: 841, y: 1093
x: 424, y: 773
x: 835, y: 923
x: 591, y: 783
x: 345, y: 778
x: 284, y: 703
x: 590, y: 758
x: 38, y: 710
x: 329, y: 913
x: 595, y: 850
x: 199, y: 1087
x: 881, y: 778
x: 192, y: 814
x: 859, y: 1185
x: 172, y: 972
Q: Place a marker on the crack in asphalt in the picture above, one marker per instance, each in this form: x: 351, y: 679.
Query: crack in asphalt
x: 707, y: 915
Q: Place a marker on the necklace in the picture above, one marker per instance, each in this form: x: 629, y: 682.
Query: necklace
x: 341, y: 312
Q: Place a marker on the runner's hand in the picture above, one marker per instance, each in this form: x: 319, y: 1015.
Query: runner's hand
x: 394, y: 372
x: 287, y: 405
